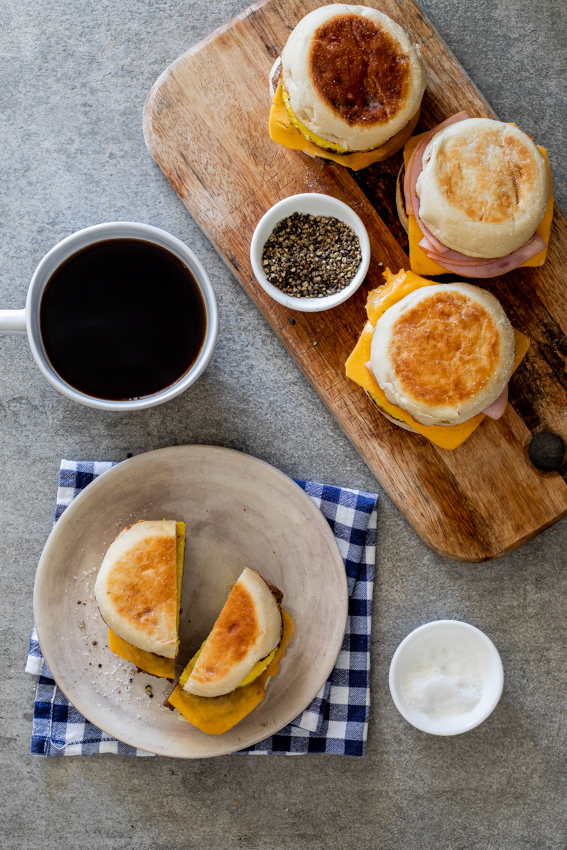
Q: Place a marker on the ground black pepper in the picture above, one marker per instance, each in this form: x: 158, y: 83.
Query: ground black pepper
x: 309, y: 256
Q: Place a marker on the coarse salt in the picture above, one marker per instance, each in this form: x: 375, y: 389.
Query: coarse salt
x: 442, y: 678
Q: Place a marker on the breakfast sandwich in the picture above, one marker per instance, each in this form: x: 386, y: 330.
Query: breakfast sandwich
x: 138, y: 591
x: 475, y: 196
x: 348, y: 86
x: 227, y: 677
x: 436, y: 358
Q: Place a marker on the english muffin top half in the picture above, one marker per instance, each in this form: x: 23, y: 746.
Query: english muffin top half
x: 483, y: 189
x: 443, y: 353
x: 136, y: 587
x: 352, y: 75
x: 247, y: 629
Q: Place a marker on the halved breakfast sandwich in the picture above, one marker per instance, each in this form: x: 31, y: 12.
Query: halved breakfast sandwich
x: 475, y: 196
x: 436, y: 358
x: 138, y: 591
x: 226, y: 679
x: 348, y: 86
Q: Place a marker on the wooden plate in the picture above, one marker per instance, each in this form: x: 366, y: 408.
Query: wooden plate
x: 239, y: 511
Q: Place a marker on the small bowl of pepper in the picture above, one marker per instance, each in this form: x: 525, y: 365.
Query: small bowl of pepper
x: 310, y: 252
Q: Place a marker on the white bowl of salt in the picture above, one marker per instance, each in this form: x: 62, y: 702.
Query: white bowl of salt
x: 446, y: 677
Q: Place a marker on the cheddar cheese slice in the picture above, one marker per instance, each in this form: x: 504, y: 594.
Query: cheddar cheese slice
x: 422, y: 264
x: 397, y: 286
x: 216, y: 715
x: 149, y: 662
x: 283, y: 131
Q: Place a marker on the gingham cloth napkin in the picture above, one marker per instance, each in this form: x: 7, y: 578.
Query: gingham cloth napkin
x: 335, y: 722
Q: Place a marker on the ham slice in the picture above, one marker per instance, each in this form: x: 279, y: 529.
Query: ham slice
x: 454, y: 261
x: 497, y: 408
x: 479, y: 268
x: 428, y: 245
x: 433, y: 241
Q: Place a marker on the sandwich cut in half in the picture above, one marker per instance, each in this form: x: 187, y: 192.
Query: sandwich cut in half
x: 138, y: 591
x: 436, y: 358
x: 475, y: 197
x: 226, y: 679
x: 348, y: 86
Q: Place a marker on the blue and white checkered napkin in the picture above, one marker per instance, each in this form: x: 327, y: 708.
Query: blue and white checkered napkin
x: 337, y: 719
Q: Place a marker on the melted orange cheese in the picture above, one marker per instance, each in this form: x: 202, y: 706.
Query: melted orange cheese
x: 149, y: 662
x: 422, y: 264
x: 379, y: 300
x: 216, y: 715
x: 284, y: 133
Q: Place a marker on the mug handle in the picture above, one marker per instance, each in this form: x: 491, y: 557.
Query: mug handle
x: 13, y: 322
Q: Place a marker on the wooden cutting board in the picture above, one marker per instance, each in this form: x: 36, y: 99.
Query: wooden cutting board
x: 206, y: 126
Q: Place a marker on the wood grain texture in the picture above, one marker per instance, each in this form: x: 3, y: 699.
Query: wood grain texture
x: 206, y: 126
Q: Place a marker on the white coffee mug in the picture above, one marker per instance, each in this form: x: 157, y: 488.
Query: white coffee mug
x: 26, y: 322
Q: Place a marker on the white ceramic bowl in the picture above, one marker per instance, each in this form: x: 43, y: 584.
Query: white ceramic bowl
x: 491, y: 671
x: 309, y: 204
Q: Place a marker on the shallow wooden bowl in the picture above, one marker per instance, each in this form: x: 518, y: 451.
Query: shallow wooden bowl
x: 239, y: 511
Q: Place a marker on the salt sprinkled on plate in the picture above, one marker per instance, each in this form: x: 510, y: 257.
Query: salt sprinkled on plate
x: 442, y: 678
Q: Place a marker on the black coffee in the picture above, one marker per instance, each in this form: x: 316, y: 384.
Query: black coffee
x: 122, y: 319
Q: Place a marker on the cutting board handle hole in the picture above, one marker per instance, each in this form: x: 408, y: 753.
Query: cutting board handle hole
x: 546, y: 451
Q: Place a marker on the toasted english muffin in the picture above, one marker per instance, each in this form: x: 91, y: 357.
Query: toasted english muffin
x: 137, y: 587
x: 351, y: 77
x: 247, y: 630
x: 483, y: 189
x: 443, y: 353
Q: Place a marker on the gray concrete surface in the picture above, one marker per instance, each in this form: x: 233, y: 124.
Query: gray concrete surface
x: 73, y: 79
